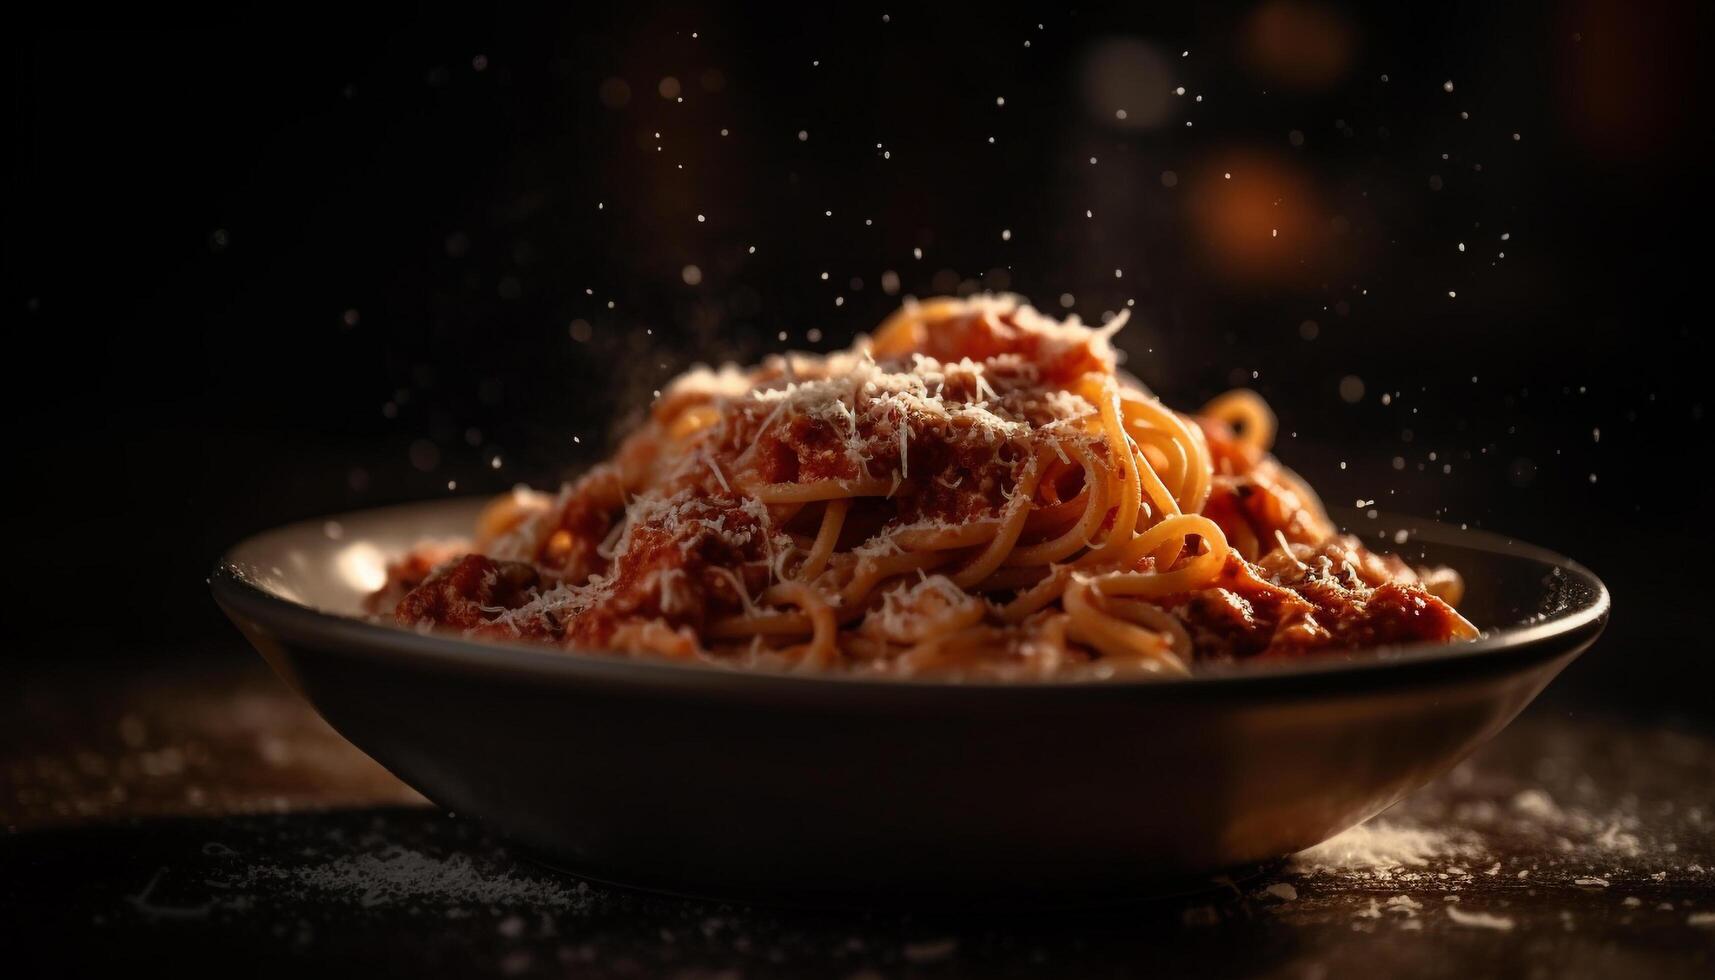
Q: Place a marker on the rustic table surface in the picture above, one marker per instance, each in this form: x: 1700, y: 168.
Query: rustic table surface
x: 208, y: 821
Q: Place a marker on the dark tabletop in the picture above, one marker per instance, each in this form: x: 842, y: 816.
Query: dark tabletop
x: 208, y: 821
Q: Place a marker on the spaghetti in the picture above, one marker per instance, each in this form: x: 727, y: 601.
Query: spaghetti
x: 973, y: 491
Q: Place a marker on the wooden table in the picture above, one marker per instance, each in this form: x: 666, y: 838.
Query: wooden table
x: 206, y: 821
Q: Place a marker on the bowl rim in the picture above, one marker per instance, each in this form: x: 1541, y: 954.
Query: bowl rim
x: 1565, y: 631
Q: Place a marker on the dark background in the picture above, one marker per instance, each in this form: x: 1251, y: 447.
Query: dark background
x: 260, y: 274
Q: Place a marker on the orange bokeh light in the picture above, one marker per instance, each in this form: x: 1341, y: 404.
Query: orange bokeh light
x: 1256, y: 217
x: 1625, y: 73
x: 1297, y: 44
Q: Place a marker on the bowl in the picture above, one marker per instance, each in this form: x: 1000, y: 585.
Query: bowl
x: 704, y: 781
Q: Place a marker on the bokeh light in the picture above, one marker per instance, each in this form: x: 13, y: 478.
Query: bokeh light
x: 1627, y: 72
x: 1126, y: 83
x: 1255, y: 215
x: 1297, y: 44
